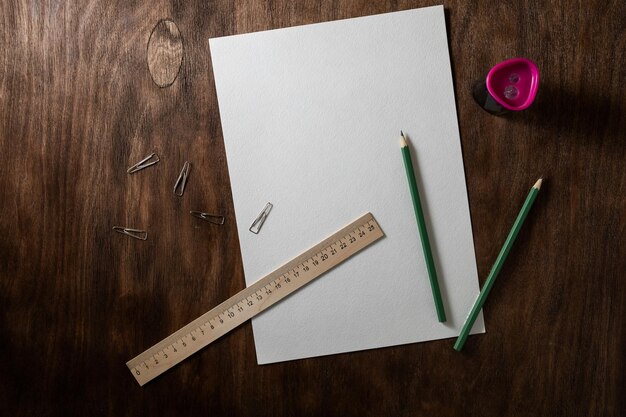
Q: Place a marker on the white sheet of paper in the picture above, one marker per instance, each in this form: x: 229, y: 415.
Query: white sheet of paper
x: 311, y: 117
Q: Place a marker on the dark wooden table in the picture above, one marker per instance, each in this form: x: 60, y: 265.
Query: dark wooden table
x: 78, y: 105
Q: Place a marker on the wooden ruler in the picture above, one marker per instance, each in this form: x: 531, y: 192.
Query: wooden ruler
x: 254, y: 299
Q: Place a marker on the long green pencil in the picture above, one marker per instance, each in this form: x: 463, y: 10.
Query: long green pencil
x: 497, y: 266
x: 421, y: 225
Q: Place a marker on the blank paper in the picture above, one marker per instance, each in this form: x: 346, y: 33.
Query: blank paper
x: 311, y: 117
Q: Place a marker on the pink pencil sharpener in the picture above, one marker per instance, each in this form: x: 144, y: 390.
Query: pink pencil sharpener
x: 510, y: 86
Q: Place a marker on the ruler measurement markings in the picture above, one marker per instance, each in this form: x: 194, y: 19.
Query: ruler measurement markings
x: 255, y: 298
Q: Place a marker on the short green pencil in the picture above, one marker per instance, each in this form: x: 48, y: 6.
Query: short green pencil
x: 497, y: 266
x: 421, y: 225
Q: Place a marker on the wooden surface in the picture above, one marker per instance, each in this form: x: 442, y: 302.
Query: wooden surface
x: 78, y: 106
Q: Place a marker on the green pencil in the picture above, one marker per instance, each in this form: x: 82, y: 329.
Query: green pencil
x: 495, y: 269
x: 421, y: 225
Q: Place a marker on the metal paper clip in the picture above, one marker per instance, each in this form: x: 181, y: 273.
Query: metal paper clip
x: 135, y: 233
x: 143, y: 164
x: 258, y: 222
x: 211, y: 218
x: 181, y: 182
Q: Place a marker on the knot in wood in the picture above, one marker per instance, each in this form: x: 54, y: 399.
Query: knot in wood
x: 165, y: 53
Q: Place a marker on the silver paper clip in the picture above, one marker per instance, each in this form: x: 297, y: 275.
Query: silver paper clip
x: 211, y: 218
x: 135, y: 233
x: 181, y: 182
x: 143, y: 164
x: 258, y: 222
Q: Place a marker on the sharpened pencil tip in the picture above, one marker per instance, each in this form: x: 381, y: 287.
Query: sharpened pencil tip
x: 402, y: 140
x: 538, y: 183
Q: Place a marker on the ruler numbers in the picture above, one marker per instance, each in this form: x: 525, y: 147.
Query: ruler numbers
x: 254, y: 299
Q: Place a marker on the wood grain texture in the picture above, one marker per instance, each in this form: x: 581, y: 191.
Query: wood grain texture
x: 78, y: 106
x: 165, y: 53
